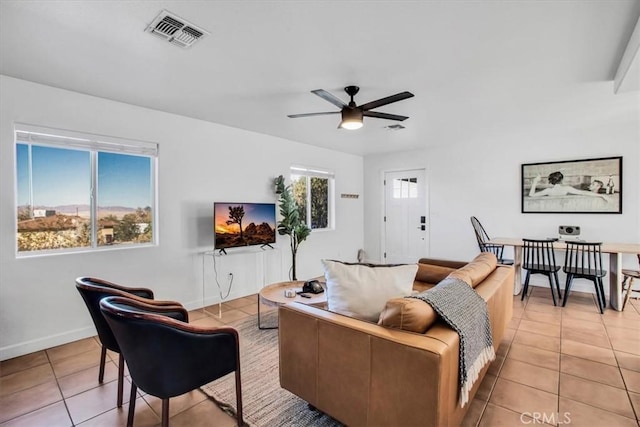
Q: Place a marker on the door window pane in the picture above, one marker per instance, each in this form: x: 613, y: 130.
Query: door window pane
x: 405, y: 188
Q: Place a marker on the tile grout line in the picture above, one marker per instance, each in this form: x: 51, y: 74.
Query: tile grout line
x: 64, y: 401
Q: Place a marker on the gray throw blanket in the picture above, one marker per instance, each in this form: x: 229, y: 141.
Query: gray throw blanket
x: 466, y: 312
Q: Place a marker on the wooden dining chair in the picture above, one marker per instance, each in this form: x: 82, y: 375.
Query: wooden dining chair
x: 539, y: 258
x: 583, y: 260
x: 629, y: 276
x: 483, y: 242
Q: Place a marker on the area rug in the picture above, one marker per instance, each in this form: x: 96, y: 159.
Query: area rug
x: 264, y: 402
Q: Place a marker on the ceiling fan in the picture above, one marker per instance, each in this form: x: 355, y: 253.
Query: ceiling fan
x: 352, y: 114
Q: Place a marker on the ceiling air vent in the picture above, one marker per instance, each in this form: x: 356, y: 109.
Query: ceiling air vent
x: 175, y: 29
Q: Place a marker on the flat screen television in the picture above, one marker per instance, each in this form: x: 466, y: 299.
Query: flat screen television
x: 244, y: 224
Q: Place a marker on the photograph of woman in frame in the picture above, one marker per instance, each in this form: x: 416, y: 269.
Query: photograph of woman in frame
x: 573, y: 186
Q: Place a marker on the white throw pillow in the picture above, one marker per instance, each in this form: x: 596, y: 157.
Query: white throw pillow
x: 361, y: 291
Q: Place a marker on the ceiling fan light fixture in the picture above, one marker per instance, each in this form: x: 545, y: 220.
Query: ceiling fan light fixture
x: 351, y: 119
x: 353, y: 113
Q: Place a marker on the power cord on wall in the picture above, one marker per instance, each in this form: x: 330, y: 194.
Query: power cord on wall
x: 215, y: 274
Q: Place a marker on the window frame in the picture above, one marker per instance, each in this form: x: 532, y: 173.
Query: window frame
x: 93, y: 144
x: 313, y: 172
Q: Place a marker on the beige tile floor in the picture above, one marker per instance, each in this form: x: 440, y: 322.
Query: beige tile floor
x: 557, y: 366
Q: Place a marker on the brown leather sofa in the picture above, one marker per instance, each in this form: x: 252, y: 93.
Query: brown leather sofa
x: 367, y: 374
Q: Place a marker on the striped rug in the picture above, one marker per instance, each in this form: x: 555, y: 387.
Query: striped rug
x: 265, y: 403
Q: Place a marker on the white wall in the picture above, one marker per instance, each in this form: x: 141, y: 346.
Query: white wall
x: 481, y: 177
x: 199, y: 163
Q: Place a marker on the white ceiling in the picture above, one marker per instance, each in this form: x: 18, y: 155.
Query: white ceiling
x: 474, y: 66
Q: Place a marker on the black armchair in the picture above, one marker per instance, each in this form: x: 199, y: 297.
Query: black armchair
x: 167, y: 357
x: 92, y: 291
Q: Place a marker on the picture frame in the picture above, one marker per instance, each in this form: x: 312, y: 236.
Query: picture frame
x: 572, y: 186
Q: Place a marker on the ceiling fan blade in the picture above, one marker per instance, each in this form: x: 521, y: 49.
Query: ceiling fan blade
x: 329, y: 97
x: 384, y: 116
x: 295, y: 116
x: 384, y: 101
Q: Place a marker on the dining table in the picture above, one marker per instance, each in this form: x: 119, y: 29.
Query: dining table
x: 615, y: 251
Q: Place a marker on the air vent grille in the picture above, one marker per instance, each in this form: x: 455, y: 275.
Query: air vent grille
x: 175, y: 30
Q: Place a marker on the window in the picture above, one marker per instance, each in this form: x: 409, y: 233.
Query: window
x: 79, y: 191
x: 405, y: 188
x: 313, y: 192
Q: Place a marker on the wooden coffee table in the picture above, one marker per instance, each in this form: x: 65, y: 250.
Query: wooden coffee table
x: 274, y: 295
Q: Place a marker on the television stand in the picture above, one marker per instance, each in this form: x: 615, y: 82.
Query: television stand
x: 237, y: 266
x: 266, y: 244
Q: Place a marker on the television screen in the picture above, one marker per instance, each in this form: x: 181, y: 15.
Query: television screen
x: 244, y: 224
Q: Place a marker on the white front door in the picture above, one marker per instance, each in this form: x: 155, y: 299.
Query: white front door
x: 405, y: 217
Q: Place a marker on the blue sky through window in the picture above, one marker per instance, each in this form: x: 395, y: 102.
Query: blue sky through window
x: 124, y: 180
x: 62, y: 176
x: 59, y: 176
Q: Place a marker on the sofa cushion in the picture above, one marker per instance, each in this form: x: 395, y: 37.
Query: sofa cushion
x: 361, y: 290
x: 477, y: 270
x: 408, y: 314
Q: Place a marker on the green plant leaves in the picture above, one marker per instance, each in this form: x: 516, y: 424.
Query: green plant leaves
x: 290, y: 223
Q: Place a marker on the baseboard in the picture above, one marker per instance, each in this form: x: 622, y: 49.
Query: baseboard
x: 194, y: 305
x: 26, y: 347
x: 38, y: 344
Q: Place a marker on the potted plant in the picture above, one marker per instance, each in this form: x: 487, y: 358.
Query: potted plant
x: 290, y: 223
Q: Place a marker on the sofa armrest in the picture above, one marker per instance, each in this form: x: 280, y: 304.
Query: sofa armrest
x: 363, y: 374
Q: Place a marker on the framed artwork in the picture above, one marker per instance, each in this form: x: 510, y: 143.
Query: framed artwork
x: 573, y: 186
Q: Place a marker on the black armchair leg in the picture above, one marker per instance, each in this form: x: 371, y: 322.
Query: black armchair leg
x: 239, y: 398
x: 165, y: 412
x: 103, y: 359
x: 132, y: 405
x: 120, y: 379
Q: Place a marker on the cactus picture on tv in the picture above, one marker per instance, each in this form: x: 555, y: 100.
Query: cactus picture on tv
x: 244, y: 224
